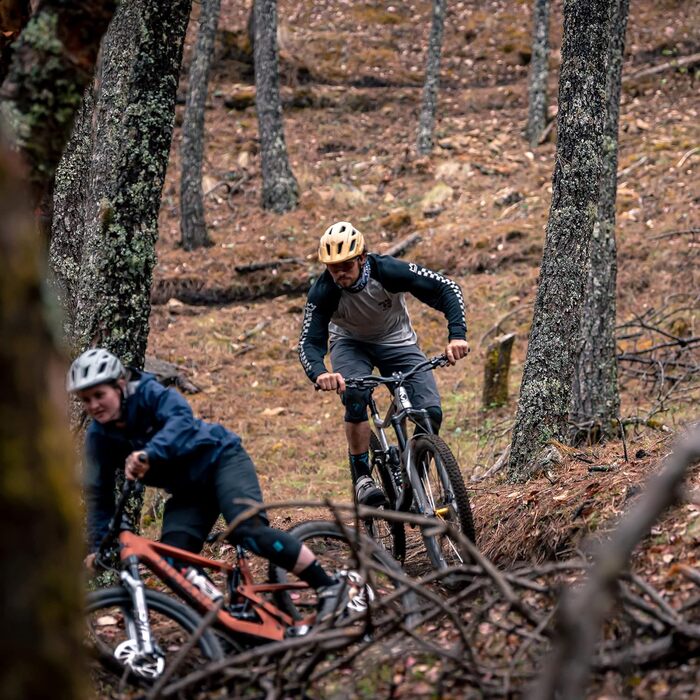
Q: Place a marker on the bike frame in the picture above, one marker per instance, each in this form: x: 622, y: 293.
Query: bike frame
x: 401, y: 409
x: 272, y: 624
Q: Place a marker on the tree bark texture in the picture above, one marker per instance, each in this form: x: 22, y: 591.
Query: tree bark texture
x: 52, y: 62
x: 596, y: 398
x: 41, y: 602
x: 539, y: 70
x: 426, y: 122
x: 280, y: 191
x: 68, y: 225
x: 133, y: 123
x: 193, y: 226
x: 545, y: 392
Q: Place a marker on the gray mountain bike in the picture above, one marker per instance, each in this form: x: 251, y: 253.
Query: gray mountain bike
x: 419, y: 474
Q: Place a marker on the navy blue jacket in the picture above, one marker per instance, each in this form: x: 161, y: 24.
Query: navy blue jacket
x: 181, y: 449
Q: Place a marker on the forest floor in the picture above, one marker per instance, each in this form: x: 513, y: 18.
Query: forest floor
x: 352, y: 89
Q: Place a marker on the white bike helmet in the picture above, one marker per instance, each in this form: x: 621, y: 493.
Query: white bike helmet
x: 95, y: 366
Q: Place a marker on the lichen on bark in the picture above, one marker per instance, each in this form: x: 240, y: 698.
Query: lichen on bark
x: 596, y: 399
x: 545, y: 394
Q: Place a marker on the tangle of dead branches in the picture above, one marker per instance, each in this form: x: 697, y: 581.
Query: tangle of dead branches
x: 540, y: 629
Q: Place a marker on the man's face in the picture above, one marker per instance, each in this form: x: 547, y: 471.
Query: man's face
x: 345, y: 274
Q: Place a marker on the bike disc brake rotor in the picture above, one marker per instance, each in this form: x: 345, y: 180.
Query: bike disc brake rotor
x: 143, y: 665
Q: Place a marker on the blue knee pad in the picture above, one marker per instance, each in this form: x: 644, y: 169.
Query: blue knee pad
x: 355, y: 402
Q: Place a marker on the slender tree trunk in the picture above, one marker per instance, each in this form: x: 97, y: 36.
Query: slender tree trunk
x: 426, y: 122
x: 596, y: 399
x: 133, y: 130
x: 545, y: 392
x: 192, y: 222
x: 280, y: 191
x: 539, y: 69
x: 53, y: 60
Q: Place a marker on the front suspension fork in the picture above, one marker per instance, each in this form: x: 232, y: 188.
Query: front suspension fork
x: 138, y: 626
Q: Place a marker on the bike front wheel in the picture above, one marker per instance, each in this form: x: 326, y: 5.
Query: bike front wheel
x: 340, y: 550
x: 446, y: 498
x: 389, y: 534
x: 110, y: 616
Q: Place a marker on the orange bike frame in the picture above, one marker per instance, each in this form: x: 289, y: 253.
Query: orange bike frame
x: 273, y: 622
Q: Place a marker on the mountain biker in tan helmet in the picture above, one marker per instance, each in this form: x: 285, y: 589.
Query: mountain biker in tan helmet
x: 358, y: 305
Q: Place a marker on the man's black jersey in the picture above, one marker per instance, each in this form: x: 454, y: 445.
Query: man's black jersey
x: 377, y: 313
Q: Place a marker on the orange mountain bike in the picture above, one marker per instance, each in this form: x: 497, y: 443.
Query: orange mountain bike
x: 134, y: 630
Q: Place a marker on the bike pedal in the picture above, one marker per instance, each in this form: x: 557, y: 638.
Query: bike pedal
x: 298, y: 631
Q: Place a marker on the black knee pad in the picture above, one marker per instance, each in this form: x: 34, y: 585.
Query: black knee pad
x: 355, y: 402
x: 277, y: 546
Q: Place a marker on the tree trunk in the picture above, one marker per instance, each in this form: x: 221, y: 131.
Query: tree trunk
x: 280, y: 191
x: 426, y: 122
x: 596, y: 399
x: 192, y: 222
x: 52, y: 62
x: 133, y: 131
x: 41, y: 602
x: 496, y: 372
x: 539, y: 69
x: 545, y: 392
x: 68, y: 225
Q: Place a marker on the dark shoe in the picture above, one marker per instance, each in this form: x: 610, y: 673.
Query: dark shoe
x: 348, y: 593
x: 368, y: 493
x: 332, y: 600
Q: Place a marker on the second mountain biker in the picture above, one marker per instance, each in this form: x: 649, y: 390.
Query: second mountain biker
x: 359, y: 303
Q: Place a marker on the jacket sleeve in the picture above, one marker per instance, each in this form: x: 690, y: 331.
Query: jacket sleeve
x: 313, y: 341
x: 100, y: 475
x: 178, y: 426
x: 432, y: 288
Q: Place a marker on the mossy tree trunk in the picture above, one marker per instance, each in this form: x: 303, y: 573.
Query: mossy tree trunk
x: 280, y: 191
x: 193, y: 226
x: 133, y: 124
x: 539, y: 70
x: 545, y: 392
x: 596, y: 397
x: 426, y: 122
x: 52, y: 62
x: 41, y: 603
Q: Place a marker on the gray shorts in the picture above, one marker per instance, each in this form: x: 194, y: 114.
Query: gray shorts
x: 355, y: 358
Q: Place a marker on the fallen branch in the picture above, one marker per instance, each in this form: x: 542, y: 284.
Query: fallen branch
x: 670, y: 234
x: 675, y: 63
x: 398, y: 249
x: 267, y: 265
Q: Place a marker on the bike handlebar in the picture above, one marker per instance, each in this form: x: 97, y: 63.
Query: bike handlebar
x: 371, y: 381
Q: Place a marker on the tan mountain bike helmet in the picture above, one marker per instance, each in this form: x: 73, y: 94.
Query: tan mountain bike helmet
x: 341, y: 241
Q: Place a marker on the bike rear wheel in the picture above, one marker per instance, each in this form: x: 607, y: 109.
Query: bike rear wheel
x: 337, y: 552
x: 446, y: 498
x: 109, y: 611
x: 391, y: 535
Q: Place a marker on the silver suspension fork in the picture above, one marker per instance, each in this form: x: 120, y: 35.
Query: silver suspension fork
x: 141, y: 633
x: 138, y: 652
